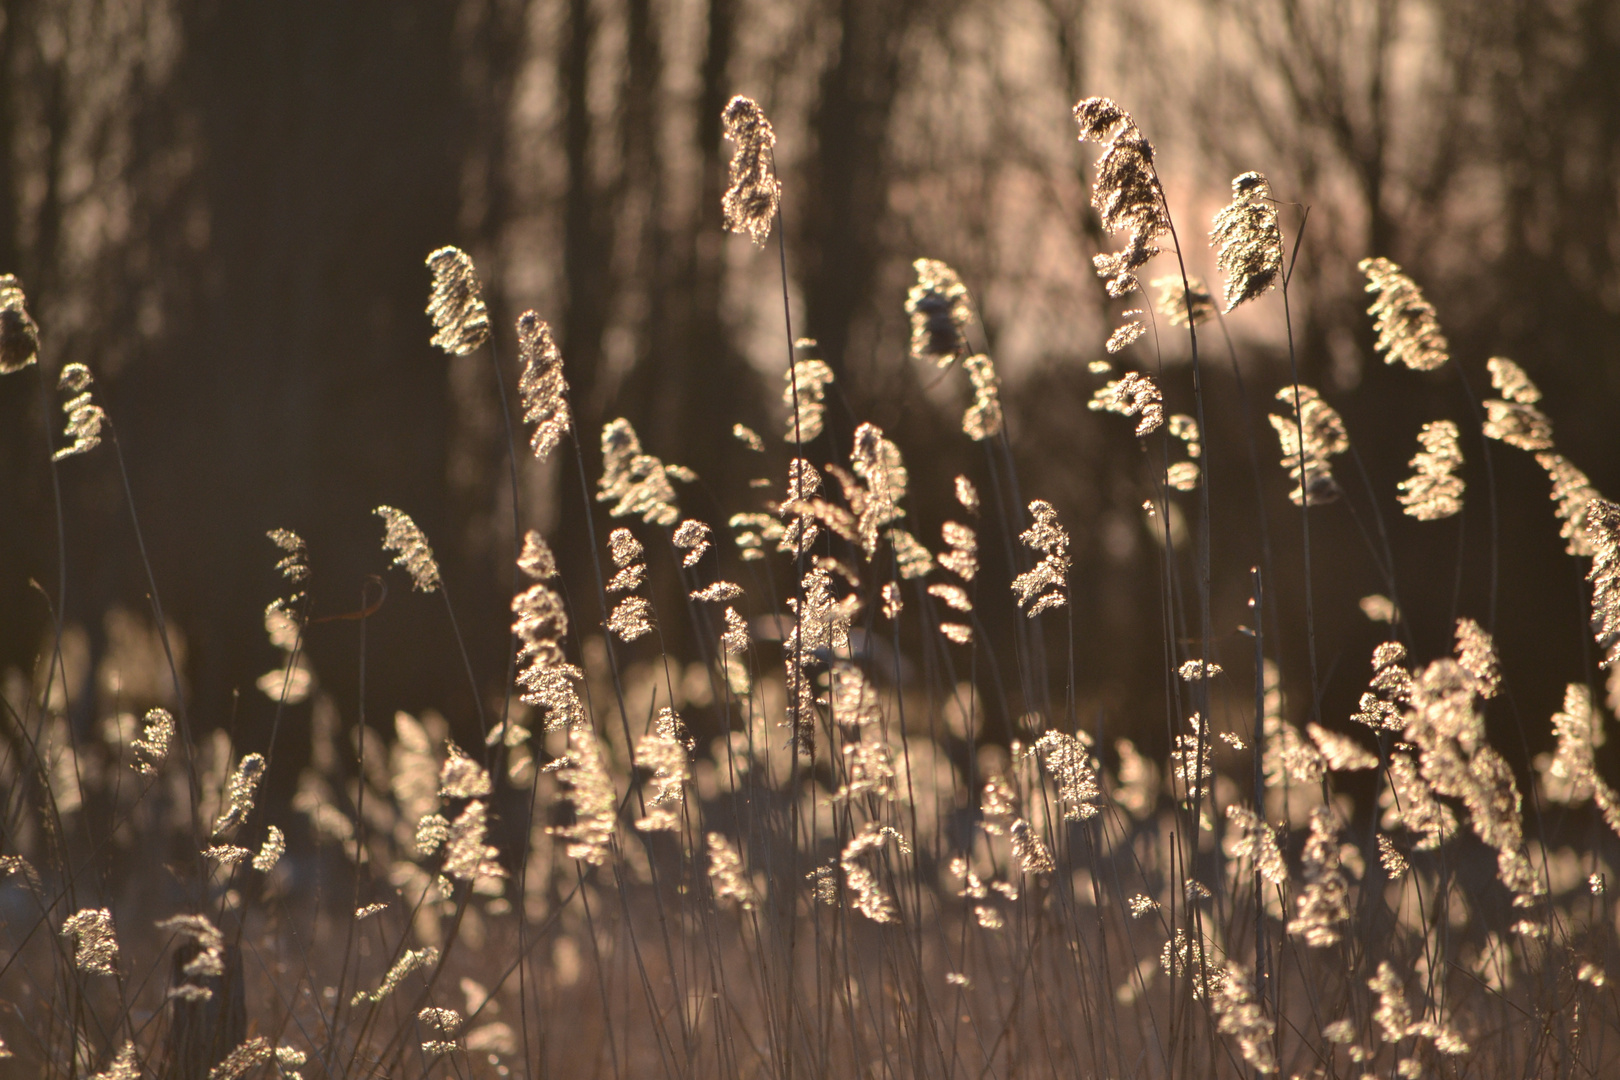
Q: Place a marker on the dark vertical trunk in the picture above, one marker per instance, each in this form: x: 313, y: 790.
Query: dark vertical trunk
x: 842, y: 237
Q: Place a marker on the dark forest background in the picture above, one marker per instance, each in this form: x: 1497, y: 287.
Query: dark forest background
x: 223, y: 209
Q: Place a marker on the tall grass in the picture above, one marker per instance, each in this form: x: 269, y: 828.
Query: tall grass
x: 798, y: 847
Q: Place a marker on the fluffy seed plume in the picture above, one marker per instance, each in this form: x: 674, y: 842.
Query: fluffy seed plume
x: 663, y: 752
x: 1068, y: 761
x: 19, y: 335
x: 632, y: 618
x: 1510, y: 380
x: 1324, y: 437
x: 1248, y: 239
x: 1173, y: 300
x: 124, y: 1066
x: 626, y: 551
x: 877, y: 462
x: 1394, y: 863
x: 1324, y: 903
x: 84, y: 416
x: 805, y: 393
x: 152, y: 748
x: 1434, y: 491
x: 590, y: 790
x: 963, y: 557
x: 940, y: 313
x: 748, y: 437
x: 1126, y: 191
x: 410, y: 548
x: 636, y: 482
x: 870, y: 898
x: 692, y: 537
x: 542, y: 387
x: 95, y: 946
x: 545, y: 678
x: 1251, y: 838
x: 466, y: 855
x: 983, y: 419
x: 209, y: 961
x: 726, y: 874
x: 536, y: 559
x: 1603, y: 535
x: 1237, y: 1014
x: 411, y: 960
x: 967, y: 496
x: 242, y: 1060
x: 1573, y: 493
x: 460, y: 777
x: 1340, y: 752
x: 457, y: 302
x: 270, y: 852
x: 751, y: 200
x: 1134, y: 395
x: 1047, y: 585
x: 240, y: 793
x: 1408, y: 332
x: 1524, y: 427
x: 1126, y: 333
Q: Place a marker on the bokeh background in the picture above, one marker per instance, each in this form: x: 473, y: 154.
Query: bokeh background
x: 223, y: 209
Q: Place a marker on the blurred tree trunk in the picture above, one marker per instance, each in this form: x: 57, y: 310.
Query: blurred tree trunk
x: 843, y: 239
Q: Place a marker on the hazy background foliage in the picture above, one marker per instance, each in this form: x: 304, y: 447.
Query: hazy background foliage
x: 222, y: 209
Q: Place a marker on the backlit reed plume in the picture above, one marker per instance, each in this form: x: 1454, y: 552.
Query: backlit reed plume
x: 1067, y: 759
x: 1248, y: 240
x: 1339, y: 752
x: 1435, y: 490
x: 1127, y: 333
x: 240, y: 793
x: 692, y: 537
x: 962, y: 558
x: 545, y: 678
x: 1324, y: 904
x: 663, y: 752
x: 1408, y: 331
x: 749, y: 437
x: 967, y: 496
x: 410, y: 548
x: 95, y: 945
x: 1172, y: 301
x: 19, y: 335
x: 244, y: 1059
x: 875, y: 502
x: 542, y: 387
x: 983, y: 419
x: 635, y: 482
x: 293, y: 566
x: 1046, y: 586
x: 805, y: 393
x: 1250, y: 837
x: 1571, y: 776
x: 410, y: 960
x: 750, y: 202
x: 590, y: 791
x: 871, y: 899
x: 632, y: 617
x: 1135, y: 394
x: 1603, y: 534
x: 124, y: 1065
x: 726, y: 874
x: 1514, y: 418
x: 1573, y: 493
x: 1126, y: 191
x: 84, y: 416
x: 209, y: 963
x: 152, y: 748
x: 1183, y: 475
x: 456, y: 304
x: 1238, y: 1014
x: 271, y: 851
x: 940, y: 312
x: 1325, y: 437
